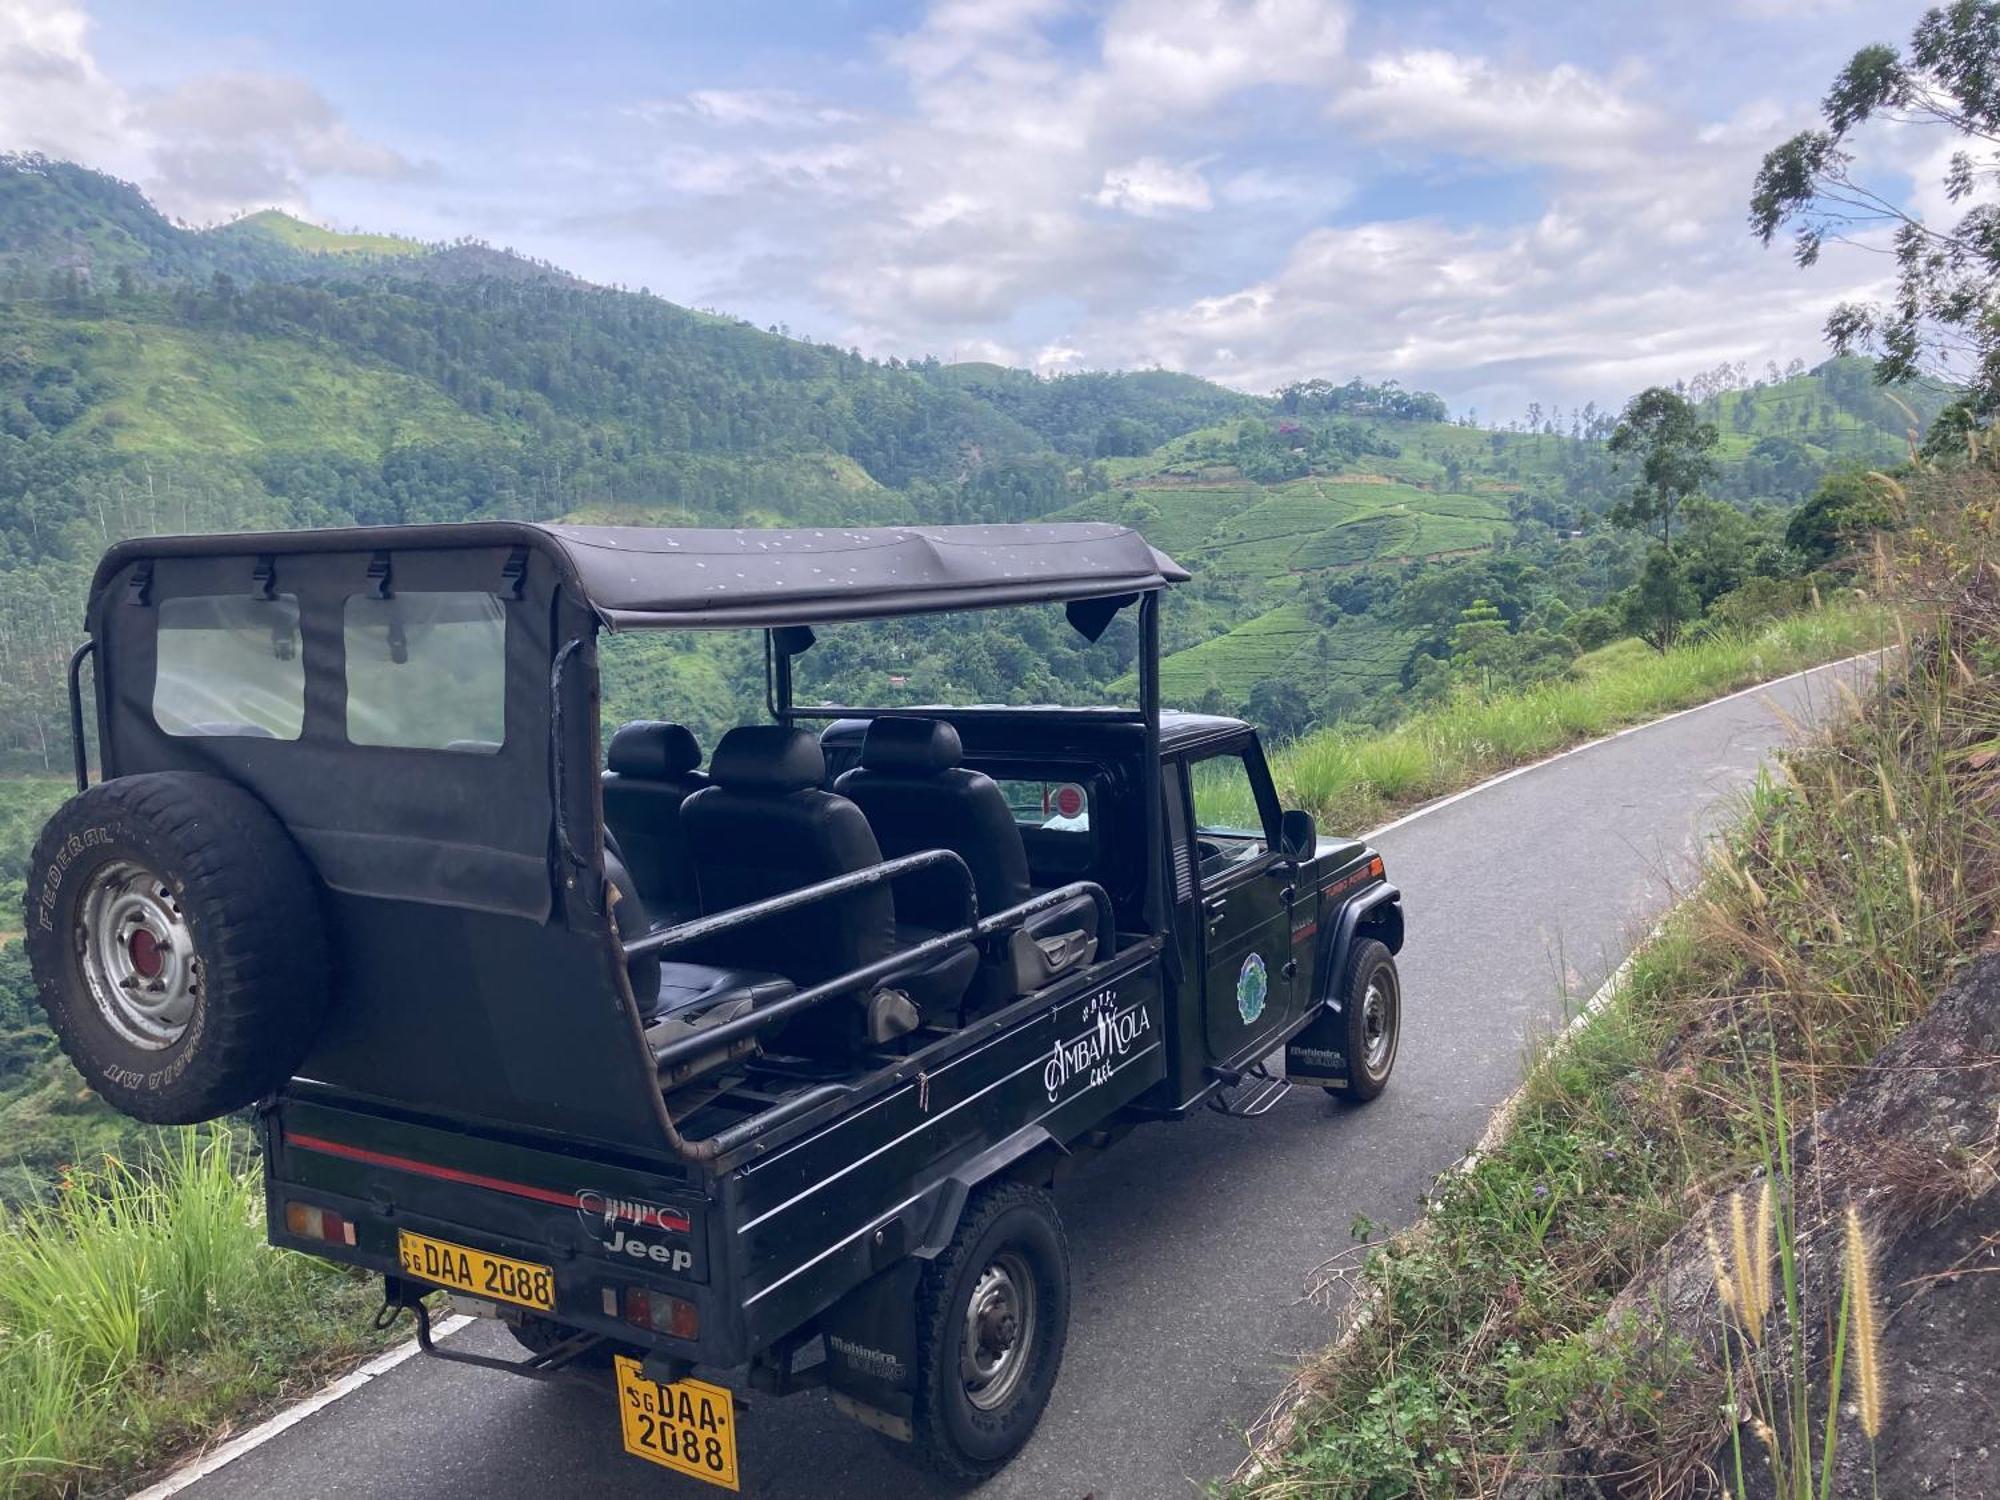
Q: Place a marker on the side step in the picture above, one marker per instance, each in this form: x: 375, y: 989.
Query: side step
x: 1264, y: 1090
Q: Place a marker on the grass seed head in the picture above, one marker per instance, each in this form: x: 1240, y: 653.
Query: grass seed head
x: 1867, y: 1347
x: 1744, y: 1272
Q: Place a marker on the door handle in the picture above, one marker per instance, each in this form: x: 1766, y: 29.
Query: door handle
x: 1217, y: 908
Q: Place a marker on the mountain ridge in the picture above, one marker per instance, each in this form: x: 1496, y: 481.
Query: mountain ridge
x: 274, y: 373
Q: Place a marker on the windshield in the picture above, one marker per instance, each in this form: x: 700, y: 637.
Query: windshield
x: 1011, y: 657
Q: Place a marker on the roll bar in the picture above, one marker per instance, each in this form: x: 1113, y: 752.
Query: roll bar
x: 79, y: 747
x: 805, y: 895
x: 878, y: 972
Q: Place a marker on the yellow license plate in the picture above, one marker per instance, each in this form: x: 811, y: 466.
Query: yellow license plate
x: 459, y: 1268
x: 689, y: 1426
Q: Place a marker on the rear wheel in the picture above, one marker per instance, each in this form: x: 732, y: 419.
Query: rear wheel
x: 992, y: 1318
x: 175, y: 934
x: 1372, y: 1002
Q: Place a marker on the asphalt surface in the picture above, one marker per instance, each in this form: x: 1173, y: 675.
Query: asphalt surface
x: 1191, y: 1242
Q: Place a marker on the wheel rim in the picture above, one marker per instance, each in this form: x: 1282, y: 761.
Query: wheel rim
x: 138, y: 955
x: 999, y: 1335
x: 1378, y: 1025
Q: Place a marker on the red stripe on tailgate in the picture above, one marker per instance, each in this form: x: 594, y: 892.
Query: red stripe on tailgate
x: 448, y: 1174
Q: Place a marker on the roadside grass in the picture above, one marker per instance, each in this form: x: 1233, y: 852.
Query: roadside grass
x: 1350, y: 780
x: 1861, y: 871
x: 141, y: 1313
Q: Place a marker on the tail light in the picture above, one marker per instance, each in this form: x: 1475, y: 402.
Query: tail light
x: 662, y: 1313
x: 308, y: 1221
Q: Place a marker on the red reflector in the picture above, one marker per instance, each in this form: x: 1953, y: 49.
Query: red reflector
x: 309, y: 1221
x: 675, y: 1316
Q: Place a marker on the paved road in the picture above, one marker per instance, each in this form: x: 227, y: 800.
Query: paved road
x: 1191, y: 1241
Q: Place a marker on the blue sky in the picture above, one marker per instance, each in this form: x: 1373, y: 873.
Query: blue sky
x: 1535, y: 201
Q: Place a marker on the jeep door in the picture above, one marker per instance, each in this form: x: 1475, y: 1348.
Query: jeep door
x: 1243, y: 897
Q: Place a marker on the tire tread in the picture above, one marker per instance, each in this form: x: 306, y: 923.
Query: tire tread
x: 252, y: 902
x: 936, y: 1307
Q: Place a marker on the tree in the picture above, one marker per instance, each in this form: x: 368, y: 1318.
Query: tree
x: 1279, y: 706
x: 1479, y: 640
x: 1944, y: 319
x: 1660, y: 602
x: 1843, y: 509
x: 1672, y: 445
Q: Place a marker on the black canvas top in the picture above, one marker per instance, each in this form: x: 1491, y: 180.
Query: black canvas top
x: 645, y: 575
x: 637, y: 575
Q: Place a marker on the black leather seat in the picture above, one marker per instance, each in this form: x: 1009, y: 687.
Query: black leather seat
x: 651, y: 769
x: 917, y: 796
x: 665, y: 989
x: 766, y: 826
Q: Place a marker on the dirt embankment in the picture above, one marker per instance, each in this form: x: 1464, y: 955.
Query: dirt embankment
x: 1914, y: 1147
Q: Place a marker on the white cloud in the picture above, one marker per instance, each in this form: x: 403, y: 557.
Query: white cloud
x: 1056, y: 358
x: 203, y: 150
x: 1588, y: 301
x: 1561, y: 116
x: 1150, y: 187
x: 1190, y: 54
x: 1024, y: 173
x: 1067, y: 203
x: 53, y: 98
x: 770, y: 109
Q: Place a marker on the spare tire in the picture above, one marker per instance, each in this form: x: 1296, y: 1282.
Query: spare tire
x: 177, y: 942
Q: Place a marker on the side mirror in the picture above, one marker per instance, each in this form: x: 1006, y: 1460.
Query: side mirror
x: 1296, y: 835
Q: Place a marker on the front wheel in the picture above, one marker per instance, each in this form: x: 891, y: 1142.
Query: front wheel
x: 992, y: 1317
x: 1372, y: 1001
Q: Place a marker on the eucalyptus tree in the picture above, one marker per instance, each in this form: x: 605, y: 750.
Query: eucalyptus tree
x: 1943, y: 320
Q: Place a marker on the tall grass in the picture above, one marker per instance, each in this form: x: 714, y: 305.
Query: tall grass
x: 140, y: 1308
x: 1860, y: 873
x: 1348, y: 780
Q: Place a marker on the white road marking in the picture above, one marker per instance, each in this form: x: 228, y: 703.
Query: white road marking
x: 1680, y: 713
x: 261, y: 1434
x: 291, y: 1416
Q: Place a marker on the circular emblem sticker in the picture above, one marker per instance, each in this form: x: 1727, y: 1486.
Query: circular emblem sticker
x: 1252, y: 985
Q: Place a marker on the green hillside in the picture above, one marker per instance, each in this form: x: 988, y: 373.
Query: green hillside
x: 312, y: 239
x: 1273, y: 509
x: 275, y: 373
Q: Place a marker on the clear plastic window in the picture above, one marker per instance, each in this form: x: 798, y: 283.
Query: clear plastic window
x: 229, y: 664
x: 427, y: 671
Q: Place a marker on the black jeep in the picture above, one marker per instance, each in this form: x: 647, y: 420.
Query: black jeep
x: 757, y: 1071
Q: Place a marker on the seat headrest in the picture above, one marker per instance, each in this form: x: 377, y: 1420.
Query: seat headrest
x: 896, y: 743
x: 653, y: 750
x: 767, y: 758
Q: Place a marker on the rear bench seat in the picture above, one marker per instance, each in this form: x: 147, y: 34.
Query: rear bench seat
x: 651, y: 769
